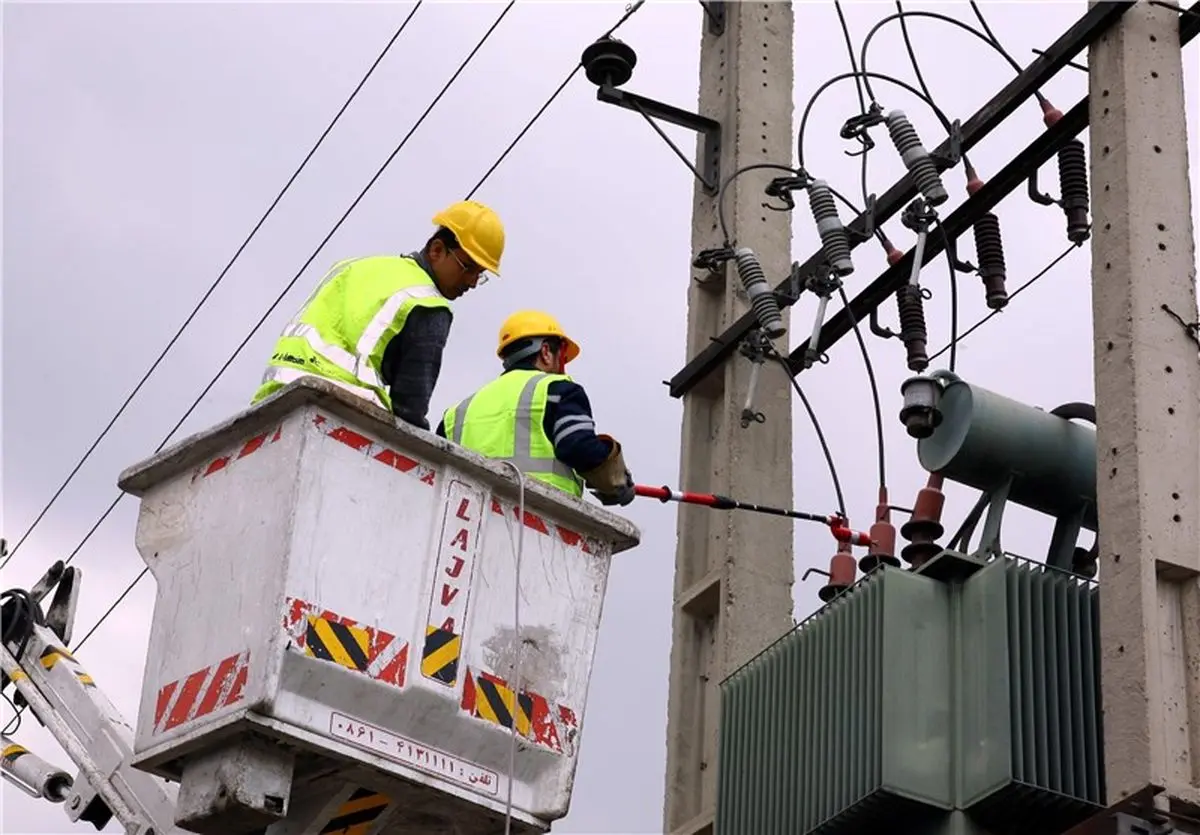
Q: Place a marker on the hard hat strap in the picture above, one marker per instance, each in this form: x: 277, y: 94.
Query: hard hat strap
x: 535, y: 345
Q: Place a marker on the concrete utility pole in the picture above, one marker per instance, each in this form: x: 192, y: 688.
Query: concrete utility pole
x: 733, y: 572
x: 1148, y: 405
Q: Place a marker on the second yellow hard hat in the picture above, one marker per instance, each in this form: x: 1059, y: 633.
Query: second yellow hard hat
x: 528, y: 323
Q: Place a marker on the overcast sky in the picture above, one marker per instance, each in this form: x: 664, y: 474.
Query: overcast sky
x: 142, y: 142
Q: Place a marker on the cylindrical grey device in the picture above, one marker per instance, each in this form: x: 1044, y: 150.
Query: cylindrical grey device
x: 985, y: 438
x: 915, y: 158
x: 762, y: 298
x: 829, y: 226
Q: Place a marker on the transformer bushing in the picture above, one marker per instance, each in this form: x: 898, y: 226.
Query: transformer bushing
x: 924, y: 528
x: 842, y: 571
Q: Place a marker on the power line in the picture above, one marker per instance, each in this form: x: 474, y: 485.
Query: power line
x: 186, y: 322
x: 629, y: 12
x: 300, y: 272
x: 1011, y: 296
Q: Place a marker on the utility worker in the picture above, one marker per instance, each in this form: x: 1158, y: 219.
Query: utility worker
x: 537, y: 417
x: 377, y: 326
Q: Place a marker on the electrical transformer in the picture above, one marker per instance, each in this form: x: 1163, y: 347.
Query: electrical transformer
x: 960, y: 697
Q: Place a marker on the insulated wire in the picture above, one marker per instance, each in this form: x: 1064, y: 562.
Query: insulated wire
x: 1011, y: 296
x: 837, y: 484
x: 866, y: 357
x: 992, y: 36
x: 990, y: 41
x: 286, y: 289
x: 628, y: 13
x: 757, y: 166
x: 862, y: 344
x: 858, y: 85
x: 14, y: 724
x: 861, y: 74
x: 916, y: 65
x: 213, y: 286
x: 953, y: 296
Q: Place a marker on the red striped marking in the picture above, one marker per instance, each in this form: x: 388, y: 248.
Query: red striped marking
x: 249, y: 448
x: 573, y: 539
x: 199, y: 694
x: 405, y: 464
x: 544, y: 719
x: 388, y: 655
x: 383, y: 454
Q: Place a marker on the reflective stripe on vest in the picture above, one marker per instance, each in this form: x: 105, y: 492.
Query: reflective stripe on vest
x: 363, y: 309
x: 547, y: 469
x: 281, y: 375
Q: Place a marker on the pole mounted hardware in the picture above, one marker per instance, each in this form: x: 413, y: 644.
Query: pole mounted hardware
x: 823, y: 285
x: 1094, y: 22
x: 714, y: 11
x: 1073, y: 188
x: 608, y: 63
x: 754, y: 348
x: 856, y: 128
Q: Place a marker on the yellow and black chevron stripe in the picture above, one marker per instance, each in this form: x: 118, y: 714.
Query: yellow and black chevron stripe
x: 494, y: 703
x: 348, y: 646
x: 439, y: 658
x: 355, y: 816
x: 51, y: 655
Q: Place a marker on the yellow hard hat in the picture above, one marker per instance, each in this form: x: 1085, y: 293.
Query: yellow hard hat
x: 478, y: 229
x: 528, y: 323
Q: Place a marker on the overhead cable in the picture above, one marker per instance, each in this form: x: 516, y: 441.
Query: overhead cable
x: 1040, y: 274
x: 628, y: 13
x: 300, y: 272
x: 220, y: 277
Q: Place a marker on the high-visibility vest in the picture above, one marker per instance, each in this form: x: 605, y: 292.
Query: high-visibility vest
x: 504, y: 420
x: 345, y: 326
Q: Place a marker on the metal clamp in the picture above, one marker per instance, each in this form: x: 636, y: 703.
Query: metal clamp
x: 782, y: 187
x: 918, y: 216
x: 823, y: 284
x: 856, y: 128
x: 754, y: 347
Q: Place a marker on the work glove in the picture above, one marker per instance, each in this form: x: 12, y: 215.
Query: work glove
x: 622, y: 495
x: 611, y: 482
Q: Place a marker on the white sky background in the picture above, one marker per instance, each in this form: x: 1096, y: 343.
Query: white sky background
x: 142, y: 142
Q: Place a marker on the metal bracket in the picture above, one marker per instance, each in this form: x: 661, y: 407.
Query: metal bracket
x: 856, y: 128
x: 953, y: 152
x: 951, y: 248
x: 868, y: 230
x: 878, y: 329
x: 714, y: 10
x: 822, y: 284
x: 709, y: 174
x: 754, y: 347
x: 1039, y: 197
x: 994, y: 502
x: 782, y: 187
x: 713, y: 262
